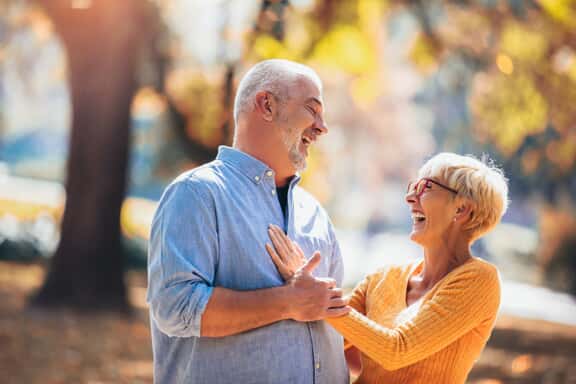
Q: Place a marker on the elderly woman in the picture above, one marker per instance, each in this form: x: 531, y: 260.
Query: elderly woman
x: 426, y: 321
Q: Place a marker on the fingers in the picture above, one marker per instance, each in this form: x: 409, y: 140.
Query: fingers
x: 337, y: 292
x: 286, y: 248
x: 275, y: 258
x: 330, y: 283
x: 337, y: 302
x: 278, y: 261
x: 312, y: 263
x: 280, y: 246
x: 337, y: 312
x: 283, y: 238
x: 299, y: 251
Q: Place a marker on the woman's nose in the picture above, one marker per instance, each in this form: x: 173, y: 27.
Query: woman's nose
x: 410, y: 197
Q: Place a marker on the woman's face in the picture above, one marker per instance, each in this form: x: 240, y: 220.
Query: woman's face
x: 433, y: 207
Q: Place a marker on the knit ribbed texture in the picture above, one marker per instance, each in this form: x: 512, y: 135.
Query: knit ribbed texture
x: 436, y: 339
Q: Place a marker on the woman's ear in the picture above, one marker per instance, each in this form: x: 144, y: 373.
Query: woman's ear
x: 463, y: 211
x: 265, y: 105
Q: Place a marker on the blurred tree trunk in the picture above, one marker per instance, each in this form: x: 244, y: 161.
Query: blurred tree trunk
x: 227, y: 127
x: 102, y: 40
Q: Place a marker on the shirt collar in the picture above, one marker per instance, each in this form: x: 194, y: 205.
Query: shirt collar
x: 253, y: 168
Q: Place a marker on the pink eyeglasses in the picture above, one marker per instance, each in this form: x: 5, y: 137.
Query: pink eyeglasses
x: 418, y: 187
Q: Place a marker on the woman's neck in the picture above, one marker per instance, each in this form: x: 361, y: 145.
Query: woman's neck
x: 441, y: 258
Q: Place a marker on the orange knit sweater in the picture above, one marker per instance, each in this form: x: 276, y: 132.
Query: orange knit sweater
x: 436, y: 339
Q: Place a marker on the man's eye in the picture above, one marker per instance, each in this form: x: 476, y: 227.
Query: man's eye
x: 312, y: 111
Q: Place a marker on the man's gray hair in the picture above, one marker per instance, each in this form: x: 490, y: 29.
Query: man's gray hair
x: 274, y: 76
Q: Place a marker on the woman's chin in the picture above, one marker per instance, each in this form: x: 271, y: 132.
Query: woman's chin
x: 416, y: 236
x: 420, y: 237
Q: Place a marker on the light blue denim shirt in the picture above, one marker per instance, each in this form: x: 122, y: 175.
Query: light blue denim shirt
x: 209, y: 231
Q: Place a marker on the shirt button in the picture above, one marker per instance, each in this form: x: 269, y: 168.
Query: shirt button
x: 273, y: 192
x: 269, y: 173
x: 317, y: 365
x: 257, y: 178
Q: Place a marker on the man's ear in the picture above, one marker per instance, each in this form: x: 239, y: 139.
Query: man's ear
x: 266, y: 105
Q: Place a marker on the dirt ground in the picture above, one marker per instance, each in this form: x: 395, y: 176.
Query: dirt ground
x: 65, y: 347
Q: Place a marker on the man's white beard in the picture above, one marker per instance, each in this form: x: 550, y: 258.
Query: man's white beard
x: 297, y: 159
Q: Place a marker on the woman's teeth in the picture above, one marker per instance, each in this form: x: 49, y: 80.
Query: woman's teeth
x: 418, y: 217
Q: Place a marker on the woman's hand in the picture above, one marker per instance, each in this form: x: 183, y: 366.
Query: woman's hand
x: 286, y: 254
x: 354, y: 361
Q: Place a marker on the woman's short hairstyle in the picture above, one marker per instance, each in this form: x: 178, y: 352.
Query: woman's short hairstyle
x: 478, y: 181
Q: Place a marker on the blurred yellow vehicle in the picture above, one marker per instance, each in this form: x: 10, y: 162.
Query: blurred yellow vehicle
x: 27, y: 199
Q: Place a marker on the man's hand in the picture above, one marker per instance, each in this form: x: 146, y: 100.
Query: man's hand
x: 313, y: 298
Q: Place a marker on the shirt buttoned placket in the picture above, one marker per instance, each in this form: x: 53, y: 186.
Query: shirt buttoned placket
x: 269, y: 176
x: 290, y: 228
x: 268, y: 185
x: 317, y: 364
x: 290, y: 231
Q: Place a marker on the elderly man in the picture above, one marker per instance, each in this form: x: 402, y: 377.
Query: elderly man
x: 219, y: 310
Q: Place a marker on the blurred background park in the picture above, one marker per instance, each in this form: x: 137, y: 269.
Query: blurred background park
x: 104, y: 102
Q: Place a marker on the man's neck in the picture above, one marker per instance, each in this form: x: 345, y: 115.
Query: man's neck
x: 267, y: 153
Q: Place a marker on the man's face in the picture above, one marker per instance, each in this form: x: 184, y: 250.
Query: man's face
x: 301, y: 121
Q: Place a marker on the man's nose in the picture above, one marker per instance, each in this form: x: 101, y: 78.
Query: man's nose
x: 321, y: 126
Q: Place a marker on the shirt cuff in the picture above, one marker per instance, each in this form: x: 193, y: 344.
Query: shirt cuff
x: 203, y: 293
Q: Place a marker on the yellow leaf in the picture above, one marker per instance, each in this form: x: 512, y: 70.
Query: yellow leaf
x: 563, y: 11
x: 364, y: 90
x: 504, y: 64
x: 422, y: 55
x: 267, y: 47
x: 522, y: 43
x: 508, y: 108
x: 346, y: 48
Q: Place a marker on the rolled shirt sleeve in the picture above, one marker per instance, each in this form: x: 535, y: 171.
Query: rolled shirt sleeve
x: 181, y: 259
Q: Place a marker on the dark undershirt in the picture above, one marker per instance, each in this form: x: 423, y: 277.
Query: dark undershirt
x: 282, y: 193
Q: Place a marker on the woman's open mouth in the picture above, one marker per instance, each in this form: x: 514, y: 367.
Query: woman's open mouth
x: 418, y: 217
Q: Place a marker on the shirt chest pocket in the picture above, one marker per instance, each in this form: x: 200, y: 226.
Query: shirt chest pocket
x: 311, y: 244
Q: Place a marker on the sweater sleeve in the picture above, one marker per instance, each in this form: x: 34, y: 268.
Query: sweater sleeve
x: 357, y: 299
x: 459, y: 304
x: 357, y: 302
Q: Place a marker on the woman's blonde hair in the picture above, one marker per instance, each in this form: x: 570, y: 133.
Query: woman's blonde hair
x: 478, y: 181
